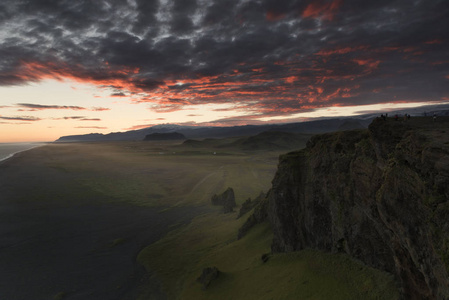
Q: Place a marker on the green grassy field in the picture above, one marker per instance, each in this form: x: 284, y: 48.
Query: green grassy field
x: 167, y: 175
x: 163, y: 174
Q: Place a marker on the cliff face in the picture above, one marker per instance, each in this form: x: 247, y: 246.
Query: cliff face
x: 381, y: 195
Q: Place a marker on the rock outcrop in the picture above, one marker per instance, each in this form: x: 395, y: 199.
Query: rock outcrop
x: 226, y: 199
x: 259, y: 215
x: 250, y: 204
x: 381, y: 195
x: 207, y: 276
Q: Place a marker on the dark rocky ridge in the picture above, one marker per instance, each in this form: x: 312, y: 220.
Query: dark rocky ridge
x: 381, y: 195
x: 165, y: 136
x: 192, y: 132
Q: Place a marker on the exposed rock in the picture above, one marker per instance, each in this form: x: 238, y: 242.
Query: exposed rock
x: 265, y: 257
x: 246, y: 207
x: 207, y: 276
x: 259, y: 215
x: 226, y: 199
x: 166, y: 136
x: 250, y: 204
x: 380, y: 195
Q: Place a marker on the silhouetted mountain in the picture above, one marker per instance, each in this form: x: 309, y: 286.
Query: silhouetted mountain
x: 273, y: 140
x: 267, y: 140
x: 169, y: 136
x: 191, y: 132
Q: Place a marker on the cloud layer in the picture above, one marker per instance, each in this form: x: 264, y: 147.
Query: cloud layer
x: 265, y: 58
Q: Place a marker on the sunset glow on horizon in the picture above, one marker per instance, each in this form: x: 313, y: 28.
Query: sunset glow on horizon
x: 75, y: 68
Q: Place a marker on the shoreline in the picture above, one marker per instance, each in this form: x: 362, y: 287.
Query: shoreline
x: 9, y: 156
x: 59, y: 237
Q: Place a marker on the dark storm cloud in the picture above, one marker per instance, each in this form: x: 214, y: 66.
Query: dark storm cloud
x: 182, y: 13
x: 278, y: 57
x: 220, y: 11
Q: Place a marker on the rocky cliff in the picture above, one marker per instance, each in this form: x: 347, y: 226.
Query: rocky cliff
x: 381, y: 195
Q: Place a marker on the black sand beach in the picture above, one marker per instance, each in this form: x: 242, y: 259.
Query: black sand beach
x: 61, y: 241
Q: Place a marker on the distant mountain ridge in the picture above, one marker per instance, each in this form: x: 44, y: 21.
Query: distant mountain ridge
x: 312, y: 127
x: 157, y: 136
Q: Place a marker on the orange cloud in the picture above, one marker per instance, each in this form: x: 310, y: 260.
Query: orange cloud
x: 370, y: 63
x: 291, y: 79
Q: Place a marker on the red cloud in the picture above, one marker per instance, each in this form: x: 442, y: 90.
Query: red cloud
x: 136, y: 127
x: 123, y: 78
x: 320, y: 9
x: 369, y: 63
x: 343, y: 50
x: 291, y: 79
x: 433, y: 42
x: 273, y: 16
x: 250, y: 91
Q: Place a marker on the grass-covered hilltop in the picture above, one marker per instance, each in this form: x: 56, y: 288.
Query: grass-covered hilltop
x: 355, y: 214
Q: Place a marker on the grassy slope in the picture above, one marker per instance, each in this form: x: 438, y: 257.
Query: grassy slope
x: 179, y: 258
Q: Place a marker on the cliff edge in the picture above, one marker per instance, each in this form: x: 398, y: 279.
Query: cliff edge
x: 381, y: 195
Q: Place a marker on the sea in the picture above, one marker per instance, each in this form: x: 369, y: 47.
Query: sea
x: 7, y: 150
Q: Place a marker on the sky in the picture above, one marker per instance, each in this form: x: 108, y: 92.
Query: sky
x: 76, y: 67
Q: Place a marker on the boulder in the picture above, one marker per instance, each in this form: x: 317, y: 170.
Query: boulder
x: 207, y: 276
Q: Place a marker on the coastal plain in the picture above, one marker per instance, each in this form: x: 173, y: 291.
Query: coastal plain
x: 79, y: 220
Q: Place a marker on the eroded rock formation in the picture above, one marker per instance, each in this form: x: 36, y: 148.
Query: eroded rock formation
x: 226, y: 199
x: 250, y: 204
x: 381, y: 195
